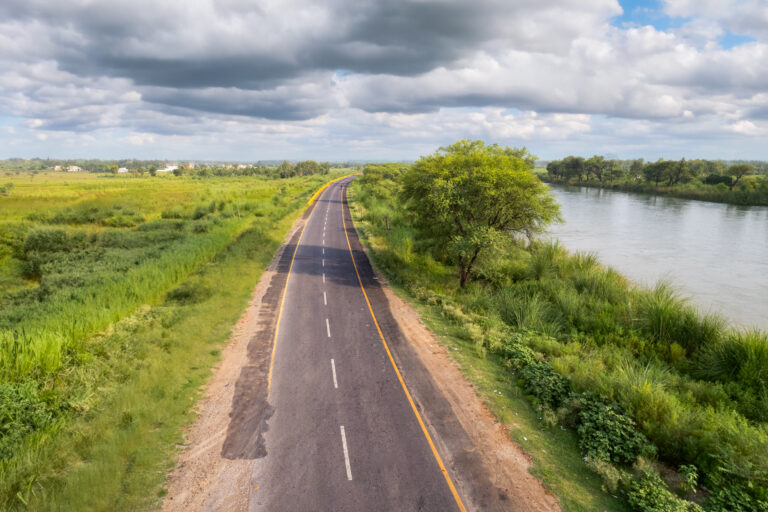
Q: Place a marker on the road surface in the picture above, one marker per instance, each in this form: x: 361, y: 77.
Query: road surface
x: 339, y: 428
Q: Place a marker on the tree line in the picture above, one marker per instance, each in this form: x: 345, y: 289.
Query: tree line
x: 747, y: 182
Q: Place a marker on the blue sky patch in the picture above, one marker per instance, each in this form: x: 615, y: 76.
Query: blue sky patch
x: 651, y: 12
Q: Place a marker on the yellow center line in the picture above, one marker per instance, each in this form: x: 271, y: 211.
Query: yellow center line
x: 397, y: 372
x: 285, y: 288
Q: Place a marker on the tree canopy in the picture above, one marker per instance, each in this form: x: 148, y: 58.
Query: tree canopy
x: 468, y: 197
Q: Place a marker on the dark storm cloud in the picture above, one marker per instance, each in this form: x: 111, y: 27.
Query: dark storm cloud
x: 139, y: 40
x: 284, y: 105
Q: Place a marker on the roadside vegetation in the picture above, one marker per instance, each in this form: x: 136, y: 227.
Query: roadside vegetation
x: 744, y: 183
x: 115, y: 297
x: 667, y: 406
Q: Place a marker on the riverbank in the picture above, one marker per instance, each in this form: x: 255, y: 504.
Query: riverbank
x: 743, y: 196
x: 713, y: 253
x: 638, y: 378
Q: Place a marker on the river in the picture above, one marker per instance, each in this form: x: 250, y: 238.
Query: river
x: 715, y: 254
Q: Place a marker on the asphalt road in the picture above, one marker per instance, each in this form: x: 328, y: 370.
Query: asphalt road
x: 340, y: 433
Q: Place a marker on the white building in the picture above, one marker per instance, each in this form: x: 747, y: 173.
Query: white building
x: 122, y: 170
x: 74, y: 168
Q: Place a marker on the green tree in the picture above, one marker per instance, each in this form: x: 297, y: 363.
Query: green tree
x: 636, y: 169
x: 657, y: 172
x: 469, y: 197
x: 307, y: 168
x: 574, y: 167
x: 286, y: 170
x: 112, y: 169
x: 738, y: 171
x: 596, y: 166
x: 556, y: 170
x: 678, y: 172
x: 613, y: 170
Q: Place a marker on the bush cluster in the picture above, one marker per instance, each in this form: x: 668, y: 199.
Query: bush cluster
x: 22, y: 411
x: 649, y: 493
x: 607, y: 433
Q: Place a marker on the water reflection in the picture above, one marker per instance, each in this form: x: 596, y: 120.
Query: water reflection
x: 715, y: 253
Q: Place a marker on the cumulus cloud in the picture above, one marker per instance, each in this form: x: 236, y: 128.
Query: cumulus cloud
x: 745, y: 17
x: 366, y: 73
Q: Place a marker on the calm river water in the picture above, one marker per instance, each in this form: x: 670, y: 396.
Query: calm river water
x: 716, y: 254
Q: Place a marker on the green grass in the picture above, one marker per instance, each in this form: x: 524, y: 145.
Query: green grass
x: 134, y: 319
x: 554, y: 452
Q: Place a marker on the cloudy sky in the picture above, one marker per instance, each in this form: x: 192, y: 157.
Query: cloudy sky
x: 382, y: 79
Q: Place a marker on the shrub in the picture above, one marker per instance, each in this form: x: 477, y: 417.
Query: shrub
x: 607, y: 433
x: 174, y: 213
x: 741, y: 356
x: 22, y: 411
x: 614, y: 478
x: 201, y: 227
x: 551, y: 388
x: 200, y: 212
x: 734, y: 498
x: 188, y: 293
x: 533, y: 313
x: 32, y: 268
x: 51, y: 240
x: 689, y: 476
x: 519, y: 355
x: 649, y: 493
x: 668, y: 318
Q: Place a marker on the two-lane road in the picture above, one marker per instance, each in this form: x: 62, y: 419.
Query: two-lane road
x: 345, y: 435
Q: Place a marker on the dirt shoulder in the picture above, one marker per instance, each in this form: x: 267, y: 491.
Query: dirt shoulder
x: 505, y: 461
x: 207, y: 476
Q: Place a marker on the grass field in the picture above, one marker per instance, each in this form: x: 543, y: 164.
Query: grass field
x: 115, y: 296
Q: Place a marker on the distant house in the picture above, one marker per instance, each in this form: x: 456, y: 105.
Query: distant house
x: 74, y: 168
x: 56, y: 167
x: 122, y: 170
x: 242, y: 166
x: 168, y: 168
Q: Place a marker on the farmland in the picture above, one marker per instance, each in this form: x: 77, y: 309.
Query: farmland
x: 116, y: 294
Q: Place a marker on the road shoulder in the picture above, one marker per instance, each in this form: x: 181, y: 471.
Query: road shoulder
x: 215, y: 467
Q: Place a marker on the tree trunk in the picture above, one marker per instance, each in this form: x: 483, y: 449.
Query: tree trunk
x: 464, y: 274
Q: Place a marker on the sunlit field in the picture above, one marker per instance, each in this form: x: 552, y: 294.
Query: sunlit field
x: 111, y: 288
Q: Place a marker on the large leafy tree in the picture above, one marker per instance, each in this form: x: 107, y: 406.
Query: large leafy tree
x: 467, y: 197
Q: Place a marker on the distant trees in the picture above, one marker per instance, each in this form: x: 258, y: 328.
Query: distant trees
x: 740, y: 182
x: 662, y: 172
x: 738, y: 171
x: 469, y: 197
x: 304, y: 168
x: 596, y: 166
